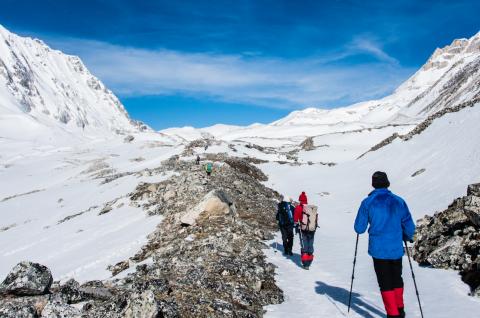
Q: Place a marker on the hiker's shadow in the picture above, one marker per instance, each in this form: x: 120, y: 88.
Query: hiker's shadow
x: 340, y: 295
x: 295, y: 258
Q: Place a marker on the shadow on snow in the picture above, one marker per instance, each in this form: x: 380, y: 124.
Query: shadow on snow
x: 340, y: 295
x: 295, y: 258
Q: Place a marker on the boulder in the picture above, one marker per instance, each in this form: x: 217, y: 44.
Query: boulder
x: 143, y: 306
x: 57, y: 309
x: 129, y: 138
x: 70, y: 291
x: 27, y: 279
x: 22, y: 307
x: 472, y: 209
x: 215, y: 203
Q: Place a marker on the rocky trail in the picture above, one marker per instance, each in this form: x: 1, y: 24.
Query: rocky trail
x: 205, y: 259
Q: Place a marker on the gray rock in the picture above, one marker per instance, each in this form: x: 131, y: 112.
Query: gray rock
x: 23, y: 307
x: 27, y: 279
x: 59, y: 309
x: 308, y: 144
x: 451, y: 238
x: 142, y: 306
x: 128, y: 138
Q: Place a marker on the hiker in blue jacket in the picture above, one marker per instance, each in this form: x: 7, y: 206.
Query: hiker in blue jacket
x: 285, y: 224
x: 390, y: 224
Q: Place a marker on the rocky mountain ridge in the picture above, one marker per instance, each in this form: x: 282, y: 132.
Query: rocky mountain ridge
x: 205, y: 260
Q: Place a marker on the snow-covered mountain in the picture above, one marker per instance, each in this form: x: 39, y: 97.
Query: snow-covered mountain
x: 450, y: 76
x: 43, y: 91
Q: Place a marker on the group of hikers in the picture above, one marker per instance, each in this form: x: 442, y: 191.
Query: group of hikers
x: 389, y: 224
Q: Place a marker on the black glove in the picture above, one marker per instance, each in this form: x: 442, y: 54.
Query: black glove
x: 297, y: 229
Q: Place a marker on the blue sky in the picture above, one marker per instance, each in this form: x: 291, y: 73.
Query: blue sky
x: 177, y: 63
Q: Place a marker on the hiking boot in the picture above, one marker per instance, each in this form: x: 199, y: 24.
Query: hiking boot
x: 401, y: 311
x: 306, y: 267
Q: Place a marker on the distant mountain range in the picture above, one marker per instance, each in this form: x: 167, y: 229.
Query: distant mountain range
x: 43, y: 91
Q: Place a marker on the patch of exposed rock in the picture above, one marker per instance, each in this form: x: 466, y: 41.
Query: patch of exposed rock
x: 204, y: 260
x: 451, y: 238
x: 308, y: 144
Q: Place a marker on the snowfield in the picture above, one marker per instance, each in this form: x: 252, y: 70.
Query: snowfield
x: 449, y: 150
x: 50, y: 200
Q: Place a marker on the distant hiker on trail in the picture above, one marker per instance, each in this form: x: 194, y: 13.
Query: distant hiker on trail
x: 285, y: 223
x: 197, y: 161
x: 209, y: 168
x: 305, y: 218
x: 390, y: 224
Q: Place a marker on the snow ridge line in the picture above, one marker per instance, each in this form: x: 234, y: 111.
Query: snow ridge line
x: 423, y: 125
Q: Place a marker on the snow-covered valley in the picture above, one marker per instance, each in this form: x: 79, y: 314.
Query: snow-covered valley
x: 66, y: 186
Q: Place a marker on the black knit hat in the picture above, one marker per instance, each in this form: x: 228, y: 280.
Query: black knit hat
x: 380, y: 180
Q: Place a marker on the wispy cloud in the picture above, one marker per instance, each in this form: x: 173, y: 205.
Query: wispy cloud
x: 370, y: 46
x: 273, y: 82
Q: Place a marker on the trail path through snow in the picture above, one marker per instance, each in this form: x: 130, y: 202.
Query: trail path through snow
x: 450, y: 165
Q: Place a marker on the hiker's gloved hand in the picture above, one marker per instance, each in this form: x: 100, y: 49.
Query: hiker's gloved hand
x: 407, y: 239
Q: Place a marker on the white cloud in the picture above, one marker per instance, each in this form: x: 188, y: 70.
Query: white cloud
x: 273, y: 82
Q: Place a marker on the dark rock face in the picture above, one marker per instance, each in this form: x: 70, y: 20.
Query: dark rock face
x: 204, y: 260
x: 27, y: 279
x: 451, y: 238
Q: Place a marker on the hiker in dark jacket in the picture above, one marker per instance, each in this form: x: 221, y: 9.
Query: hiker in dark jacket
x: 307, y: 237
x: 285, y: 224
x: 390, y: 224
x: 197, y: 161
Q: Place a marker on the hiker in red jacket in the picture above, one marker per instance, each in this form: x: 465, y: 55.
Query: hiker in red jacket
x: 304, y: 229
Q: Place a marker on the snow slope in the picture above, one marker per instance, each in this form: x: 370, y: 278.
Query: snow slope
x: 50, y: 200
x: 449, y: 150
x: 45, y: 93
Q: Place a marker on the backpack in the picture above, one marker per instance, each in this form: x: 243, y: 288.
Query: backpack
x: 209, y: 167
x: 309, y: 218
x: 285, y: 214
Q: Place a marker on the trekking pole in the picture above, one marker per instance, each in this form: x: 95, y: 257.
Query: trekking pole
x: 414, y: 281
x: 301, y: 240
x: 353, y: 273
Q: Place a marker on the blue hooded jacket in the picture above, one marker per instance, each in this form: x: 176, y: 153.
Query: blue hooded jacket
x: 390, y: 222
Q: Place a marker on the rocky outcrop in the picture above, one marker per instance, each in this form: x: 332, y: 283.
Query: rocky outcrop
x: 27, y: 279
x: 204, y: 260
x: 451, y: 238
x: 308, y: 144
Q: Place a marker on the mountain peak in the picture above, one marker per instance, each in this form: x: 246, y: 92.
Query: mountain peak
x: 45, y: 88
